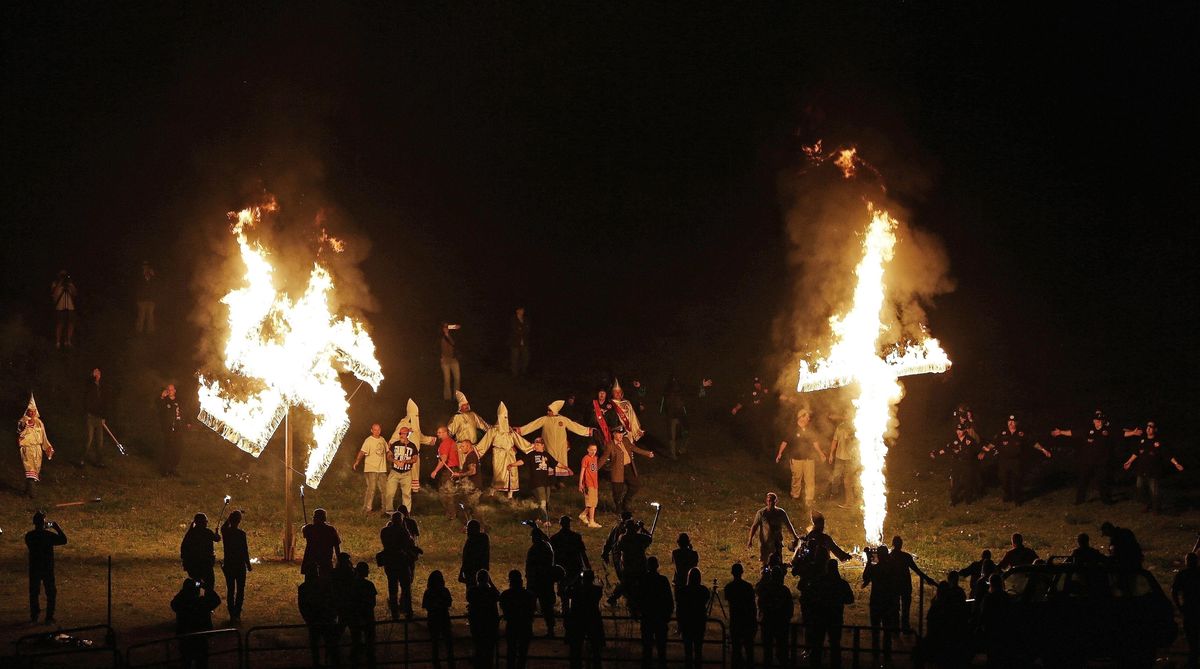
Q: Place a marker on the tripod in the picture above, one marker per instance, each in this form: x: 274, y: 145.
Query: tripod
x: 714, y: 596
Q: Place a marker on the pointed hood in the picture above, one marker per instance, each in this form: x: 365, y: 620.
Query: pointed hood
x: 413, y: 411
x: 411, y: 420
x: 502, y: 418
x: 461, y: 398
x: 556, y: 406
x: 616, y: 385
x: 33, y: 405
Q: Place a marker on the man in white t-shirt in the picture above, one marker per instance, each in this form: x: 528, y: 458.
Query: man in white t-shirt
x: 374, y: 453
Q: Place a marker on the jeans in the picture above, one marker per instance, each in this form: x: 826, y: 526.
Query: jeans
x: 398, y: 482
x: 678, y: 434
x: 518, y: 360
x: 804, y: 478
x: 450, y: 367
x: 95, y: 439
x: 235, y: 590
x: 654, y: 641
x: 399, y: 580
x: 38, y: 579
x: 145, y: 317
x: 375, y: 481
x: 1150, y: 482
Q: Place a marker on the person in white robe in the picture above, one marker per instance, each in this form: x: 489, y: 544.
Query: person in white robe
x: 33, y: 442
x: 554, y: 427
x: 625, y: 412
x: 466, y: 424
x: 504, y: 442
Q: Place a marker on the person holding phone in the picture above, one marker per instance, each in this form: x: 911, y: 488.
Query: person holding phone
x: 41, y: 541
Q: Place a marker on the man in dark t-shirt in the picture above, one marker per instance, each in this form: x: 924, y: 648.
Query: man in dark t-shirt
x: 41, y: 541
x: 769, y: 524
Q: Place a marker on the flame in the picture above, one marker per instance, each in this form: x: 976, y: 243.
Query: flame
x: 854, y: 358
x: 288, y: 349
x: 845, y: 161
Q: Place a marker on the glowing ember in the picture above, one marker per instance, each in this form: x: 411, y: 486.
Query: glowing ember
x: 845, y: 161
x: 855, y: 358
x: 288, y: 350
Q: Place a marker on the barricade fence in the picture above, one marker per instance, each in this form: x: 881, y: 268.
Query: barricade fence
x: 214, y: 649
x: 91, y: 647
x: 407, y: 643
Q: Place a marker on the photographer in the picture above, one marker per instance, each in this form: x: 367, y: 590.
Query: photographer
x: 41, y: 541
x: 449, y: 361
x: 193, y: 606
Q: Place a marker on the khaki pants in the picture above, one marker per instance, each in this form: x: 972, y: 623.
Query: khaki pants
x: 804, y: 477
x: 401, y: 481
x: 375, y: 481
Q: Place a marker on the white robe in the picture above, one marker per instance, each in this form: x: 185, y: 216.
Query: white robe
x: 463, y: 426
x: 554, y: 432
x: 632, y: 425
x: 504, y: 442
x: 33, y: 442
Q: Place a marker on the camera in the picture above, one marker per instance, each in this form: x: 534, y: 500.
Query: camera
x: 453, y: 326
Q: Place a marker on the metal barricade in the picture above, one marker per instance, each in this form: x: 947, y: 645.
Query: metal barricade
x: 88, y: 647
x: 866, y: 645
x: 405, y: 643
x: 219, y: 648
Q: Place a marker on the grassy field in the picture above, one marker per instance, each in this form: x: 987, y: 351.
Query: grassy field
x: 712, y: 494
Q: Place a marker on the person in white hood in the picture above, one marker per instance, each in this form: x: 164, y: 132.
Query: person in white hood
x: 404, y: 461
x: 465, y: 424
x: 31, y: 437
x: 554, y: 429
x: 505, y: 441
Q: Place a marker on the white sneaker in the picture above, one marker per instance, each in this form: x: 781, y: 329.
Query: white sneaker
x: 594, y: 525
x: 583, y: 518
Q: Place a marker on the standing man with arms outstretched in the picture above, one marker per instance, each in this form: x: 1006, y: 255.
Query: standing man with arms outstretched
x: 769, y: 523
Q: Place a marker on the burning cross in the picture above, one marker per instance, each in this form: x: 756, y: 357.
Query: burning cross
x: 287, y: 350
x: 854, y: 359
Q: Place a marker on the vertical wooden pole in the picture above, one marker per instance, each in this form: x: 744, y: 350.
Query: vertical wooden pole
x: 288, y: 502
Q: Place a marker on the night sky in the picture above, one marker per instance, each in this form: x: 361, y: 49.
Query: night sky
x: 618, y: 172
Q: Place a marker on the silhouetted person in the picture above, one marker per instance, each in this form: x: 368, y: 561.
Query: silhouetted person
x: 1019, y: 555
x: 995, y: 622
x: 692, y: 611
x: 884, y: 576
x: 973, y: 571
x: 398, y: 558
x: 540, y: 569
x: 948, y: 635
x: 482, y: 598
x: 631, y: 549
x: 362, y: 616
x: 657, y: 606
x: 517, y: 603
x: 41, y: 541
x: 776, y: 608
x: 321, y: 545
x: 342, y: 583
x: 314, y: 597
x: 193, y: 606
x: 1185, y: 592
x: 905, y: 560
x: 436, y: 601
x: 476, y: 553
x: 235, y: 565
x: 584, y: 623
x: 685, y: 558
x: 570, y: 553
x: 1123, y: 547
x: 198, y: 552
x: 743, y: 617
x: 1084, y: 553
x: 830, y: 595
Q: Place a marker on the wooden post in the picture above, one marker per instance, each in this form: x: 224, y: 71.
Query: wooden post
x: 288, y: 503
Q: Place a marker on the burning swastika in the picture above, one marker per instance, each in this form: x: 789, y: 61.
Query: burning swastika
x: 285, y: 352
